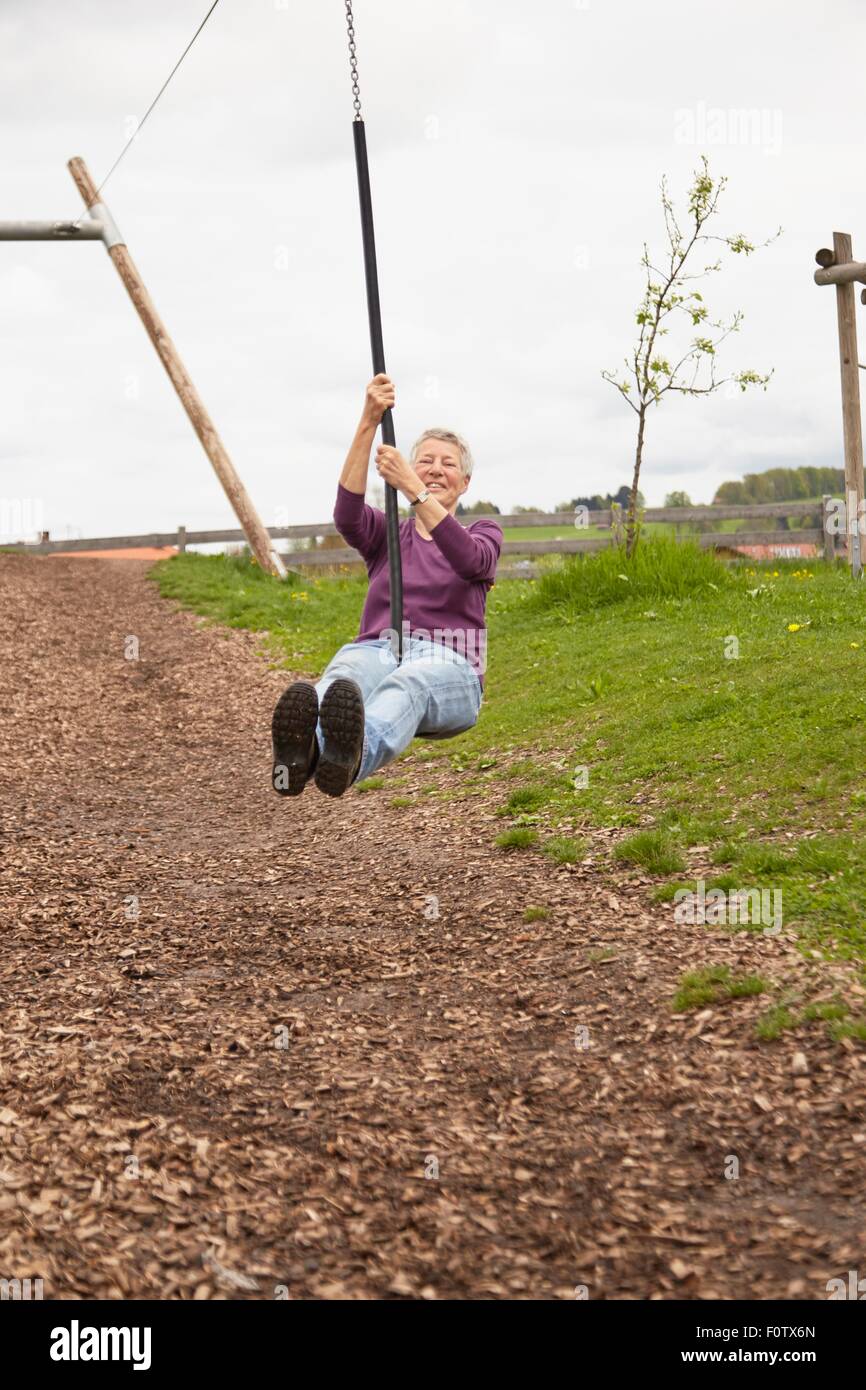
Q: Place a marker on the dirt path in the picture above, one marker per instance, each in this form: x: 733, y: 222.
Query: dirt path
x: 249, y: 1088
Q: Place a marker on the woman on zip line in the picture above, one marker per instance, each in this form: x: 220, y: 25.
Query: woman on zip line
x: 368, y: 706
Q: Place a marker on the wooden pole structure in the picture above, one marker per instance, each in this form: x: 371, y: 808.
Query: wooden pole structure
x: 829, y: 537
x: 259, y: 541
x: 843, y: 271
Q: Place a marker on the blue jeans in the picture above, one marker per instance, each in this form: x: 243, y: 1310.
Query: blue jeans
x: 434, y: 692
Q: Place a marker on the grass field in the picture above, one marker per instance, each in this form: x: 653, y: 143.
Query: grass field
x: 652, y: 529
x: 656, y: 529
x: 550, y: 533
x: 708, y: 717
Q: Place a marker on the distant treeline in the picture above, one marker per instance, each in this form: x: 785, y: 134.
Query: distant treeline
x: 782, y: 485
x: 775, y: 485
x: 597, y: 503
x: 601, y: 502
x: 479, y: 508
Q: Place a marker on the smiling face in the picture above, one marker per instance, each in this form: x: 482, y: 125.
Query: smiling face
x: 437, y: 464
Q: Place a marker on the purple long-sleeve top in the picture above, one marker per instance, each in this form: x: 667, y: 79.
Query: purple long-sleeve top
x: 445, y: 579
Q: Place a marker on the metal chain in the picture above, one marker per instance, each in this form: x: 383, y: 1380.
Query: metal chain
x: 353, y: 61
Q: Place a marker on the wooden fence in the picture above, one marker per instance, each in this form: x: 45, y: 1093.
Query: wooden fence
x: 340, y: 554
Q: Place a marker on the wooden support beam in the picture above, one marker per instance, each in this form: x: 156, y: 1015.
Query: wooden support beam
x: 829, y: 537
x: 848, y: 273
x: 851, y: 419
x: 242, y: 505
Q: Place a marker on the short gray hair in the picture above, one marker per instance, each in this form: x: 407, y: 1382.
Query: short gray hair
x: 466, y: 460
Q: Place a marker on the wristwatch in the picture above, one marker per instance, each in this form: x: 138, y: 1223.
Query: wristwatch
x: 423, y: 495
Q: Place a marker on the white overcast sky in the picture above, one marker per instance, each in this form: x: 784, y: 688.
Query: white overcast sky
x: 516, y: 152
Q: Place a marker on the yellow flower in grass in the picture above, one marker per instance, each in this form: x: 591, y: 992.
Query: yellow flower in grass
x: 793, y: 627
x: 855, y: 645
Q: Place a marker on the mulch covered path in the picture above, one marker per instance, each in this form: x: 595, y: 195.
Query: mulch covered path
x: 242, y: 1057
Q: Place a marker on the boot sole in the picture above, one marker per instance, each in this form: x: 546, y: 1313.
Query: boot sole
x: 342, y: 719
x: 292, y: 728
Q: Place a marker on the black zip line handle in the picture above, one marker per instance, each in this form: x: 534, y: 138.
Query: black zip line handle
x: 374, y: 313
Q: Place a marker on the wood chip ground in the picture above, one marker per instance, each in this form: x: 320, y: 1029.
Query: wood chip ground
x: 241, y: 1057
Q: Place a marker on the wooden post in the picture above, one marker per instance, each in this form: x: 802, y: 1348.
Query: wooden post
x: 851, y: 425
x: 255, y: 532
x: 181, y: 540
x: 829, y: 540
